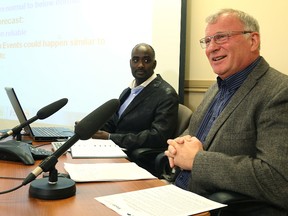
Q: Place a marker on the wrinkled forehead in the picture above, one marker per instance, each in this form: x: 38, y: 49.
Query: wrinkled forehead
x: 225, y: 22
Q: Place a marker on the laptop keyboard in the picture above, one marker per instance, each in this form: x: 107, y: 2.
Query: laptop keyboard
x: 47, y: 131
x: 57, y: 145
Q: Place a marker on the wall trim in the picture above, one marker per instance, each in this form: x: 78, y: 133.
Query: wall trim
x: 197, y: 85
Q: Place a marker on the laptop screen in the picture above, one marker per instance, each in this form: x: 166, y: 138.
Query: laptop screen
x: 17, y: 108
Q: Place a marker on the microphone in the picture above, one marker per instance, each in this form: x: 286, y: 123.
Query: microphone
x: 43, y: 113
x: 64, y: 187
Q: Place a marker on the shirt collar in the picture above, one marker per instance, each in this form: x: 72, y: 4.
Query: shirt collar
x: 234, y: 82
x: 144, y: 84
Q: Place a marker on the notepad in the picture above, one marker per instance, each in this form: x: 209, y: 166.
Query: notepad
x: 96, y: 148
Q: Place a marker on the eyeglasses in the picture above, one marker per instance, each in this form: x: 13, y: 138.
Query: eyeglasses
x: 220, y: 38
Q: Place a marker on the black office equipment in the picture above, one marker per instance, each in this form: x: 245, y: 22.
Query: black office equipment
x: 13, y: 150
x: 16, y: 151
x: 37, y: 133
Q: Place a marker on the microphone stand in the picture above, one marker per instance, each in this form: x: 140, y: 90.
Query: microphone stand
x: 60, y: 188
x: 18, y: 137
x: 52, y: 187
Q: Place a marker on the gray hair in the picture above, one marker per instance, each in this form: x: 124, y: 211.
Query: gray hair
x: 249, y: 22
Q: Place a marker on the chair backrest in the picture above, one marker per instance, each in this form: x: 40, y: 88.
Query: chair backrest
x: 184, y: 115
x: 162, y: 167
x: 154, y: 160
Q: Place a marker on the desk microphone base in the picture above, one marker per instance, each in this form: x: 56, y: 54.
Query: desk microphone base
x: 42, y: 189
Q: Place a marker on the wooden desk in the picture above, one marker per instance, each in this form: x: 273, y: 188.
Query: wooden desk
x: 83, y: 203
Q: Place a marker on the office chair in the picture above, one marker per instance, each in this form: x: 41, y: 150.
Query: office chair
x: 239, y: 205
x: 145, y: 157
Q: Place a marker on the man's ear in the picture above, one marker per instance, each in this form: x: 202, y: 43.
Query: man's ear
x: 155, y: 64
x: 255, y: 40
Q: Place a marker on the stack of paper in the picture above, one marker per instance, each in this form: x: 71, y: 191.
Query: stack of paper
x: 166, y: 200
x: 96, y: 148
x: 106, y: 172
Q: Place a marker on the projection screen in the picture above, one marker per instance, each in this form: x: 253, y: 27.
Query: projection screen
x: 80, y: 50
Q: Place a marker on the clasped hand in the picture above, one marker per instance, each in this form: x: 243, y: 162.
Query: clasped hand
x: 182, y: 151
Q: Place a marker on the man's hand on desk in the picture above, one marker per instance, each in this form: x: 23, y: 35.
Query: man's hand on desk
x: 99, y: 134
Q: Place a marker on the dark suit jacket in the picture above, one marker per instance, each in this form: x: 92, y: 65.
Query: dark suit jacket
x: 247, y: 147
x: 149, y: 120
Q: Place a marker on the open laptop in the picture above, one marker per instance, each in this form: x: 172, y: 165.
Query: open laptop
x: 37, y: 133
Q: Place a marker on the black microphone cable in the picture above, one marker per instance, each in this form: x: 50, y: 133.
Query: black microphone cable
x: 12, y: 189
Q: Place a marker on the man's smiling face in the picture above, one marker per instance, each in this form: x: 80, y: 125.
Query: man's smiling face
x: 234, y: 55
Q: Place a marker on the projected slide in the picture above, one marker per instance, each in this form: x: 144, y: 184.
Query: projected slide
x: 78, y: 49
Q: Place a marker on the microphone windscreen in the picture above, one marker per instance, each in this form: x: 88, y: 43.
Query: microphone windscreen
x: 51, y: 108
x: 95, y: 120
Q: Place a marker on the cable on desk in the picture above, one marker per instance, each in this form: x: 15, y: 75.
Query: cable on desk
x: 10, y: 190
x: 13, y: 189
x: 13, y: 178
x: 39, y: 145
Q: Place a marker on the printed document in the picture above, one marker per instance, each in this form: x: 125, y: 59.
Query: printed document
x: 106, y: 172
x: 96, y: 148
x: 167, y: 200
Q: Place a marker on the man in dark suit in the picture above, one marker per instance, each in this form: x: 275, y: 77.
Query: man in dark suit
x: 237, y: 139
x: 148, y: 108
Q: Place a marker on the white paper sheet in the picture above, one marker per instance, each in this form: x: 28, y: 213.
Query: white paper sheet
x: 96, y: 148
x: 106, y: 172
x: 166, y: 200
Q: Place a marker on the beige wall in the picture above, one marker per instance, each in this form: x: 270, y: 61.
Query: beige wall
x: 272, y: 17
